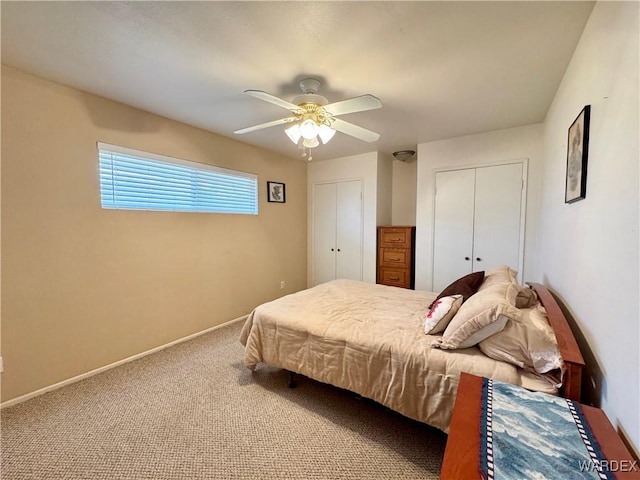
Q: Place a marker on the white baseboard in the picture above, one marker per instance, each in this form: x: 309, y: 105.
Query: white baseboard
x: 77, y: 378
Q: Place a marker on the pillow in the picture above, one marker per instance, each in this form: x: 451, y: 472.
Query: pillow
x: 484, y: 314
x: 497, y: 275
x: 441, y: 314
x: 527, y: 342
x: 465, y: 286
x: 526, y: 297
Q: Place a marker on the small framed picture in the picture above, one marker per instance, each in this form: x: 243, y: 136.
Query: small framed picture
x: 275, y: 192
x: 577, y: 153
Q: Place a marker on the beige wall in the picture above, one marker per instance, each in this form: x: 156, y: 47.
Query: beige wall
x: 588, y: 250
x: 404, y: 192
x: 384, y: 194
x: 85, y: 287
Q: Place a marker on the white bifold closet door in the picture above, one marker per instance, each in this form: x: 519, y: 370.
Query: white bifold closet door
x: 478, y: 221
x: 337, y: 231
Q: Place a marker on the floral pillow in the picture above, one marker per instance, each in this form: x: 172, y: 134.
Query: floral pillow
x: 441, y: 313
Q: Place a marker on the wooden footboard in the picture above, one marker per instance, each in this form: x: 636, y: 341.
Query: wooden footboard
x: 567, y: 344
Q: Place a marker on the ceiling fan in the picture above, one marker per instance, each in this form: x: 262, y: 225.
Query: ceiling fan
x: 313, y: 118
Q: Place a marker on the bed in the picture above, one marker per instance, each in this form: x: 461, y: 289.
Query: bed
x: 370, y: 339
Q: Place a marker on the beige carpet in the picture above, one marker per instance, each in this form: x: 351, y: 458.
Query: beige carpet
x: 193, y: 411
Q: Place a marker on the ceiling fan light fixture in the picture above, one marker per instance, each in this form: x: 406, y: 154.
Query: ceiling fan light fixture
x: 304, y: 130
x: 309, y: 129
x: 404, y: 155
x: 310, y: 142
x: 293, y: 132
x: 326, y: 133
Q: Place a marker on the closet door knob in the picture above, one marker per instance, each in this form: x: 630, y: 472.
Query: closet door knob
x: 478, y: 259
x: 338, y: 249
x: 467, y: 258
x: 332, y: 250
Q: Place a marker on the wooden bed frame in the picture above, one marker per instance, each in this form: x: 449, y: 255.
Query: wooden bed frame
x: 569, y: 350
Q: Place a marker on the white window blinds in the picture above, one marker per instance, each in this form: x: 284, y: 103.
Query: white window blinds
x: 134, y: 180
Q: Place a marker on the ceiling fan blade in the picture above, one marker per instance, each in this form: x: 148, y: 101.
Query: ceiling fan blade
x: 267, y: 97
x: 352, y: 105
x: 354, y: 130
x: 265, y: 125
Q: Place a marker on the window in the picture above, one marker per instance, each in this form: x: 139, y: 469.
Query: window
x: 134, y: 180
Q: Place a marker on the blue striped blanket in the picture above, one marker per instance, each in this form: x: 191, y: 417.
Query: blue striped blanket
x: 531, y: 435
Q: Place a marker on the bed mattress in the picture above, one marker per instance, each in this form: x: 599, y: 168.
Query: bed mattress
x: 370, y: 339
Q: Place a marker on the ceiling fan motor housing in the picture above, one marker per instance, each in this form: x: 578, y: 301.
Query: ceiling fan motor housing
x: 309, y: 85
x: 310, y: 98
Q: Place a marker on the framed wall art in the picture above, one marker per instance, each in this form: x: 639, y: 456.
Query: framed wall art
x: 276, y: 192
x: 577, y: 154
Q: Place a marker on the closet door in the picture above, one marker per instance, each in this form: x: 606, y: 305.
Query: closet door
x: 349, y: 230
x: 324, y: 232
x: 478, y: 221
x: 498, y: 200
x: 337, y: 231
x: 453, y: 235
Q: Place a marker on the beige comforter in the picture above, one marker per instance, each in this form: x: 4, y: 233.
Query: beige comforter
x: 369, y: 339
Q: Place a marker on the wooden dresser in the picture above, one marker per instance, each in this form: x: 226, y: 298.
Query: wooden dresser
x: 396, y: 256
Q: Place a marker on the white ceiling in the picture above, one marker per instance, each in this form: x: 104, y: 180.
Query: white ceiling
x: 441, y: 69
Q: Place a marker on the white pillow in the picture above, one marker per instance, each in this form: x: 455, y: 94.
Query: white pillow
x: 527, y: 342
x: 497, y: 275
x: 441, y: 314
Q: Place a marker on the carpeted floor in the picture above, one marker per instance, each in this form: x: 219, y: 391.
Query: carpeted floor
x: 193, y: 411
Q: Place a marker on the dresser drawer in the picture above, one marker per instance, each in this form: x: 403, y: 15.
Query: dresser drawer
x: 395, y: 237
x: 396, y: 277
x: 394, y: 257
